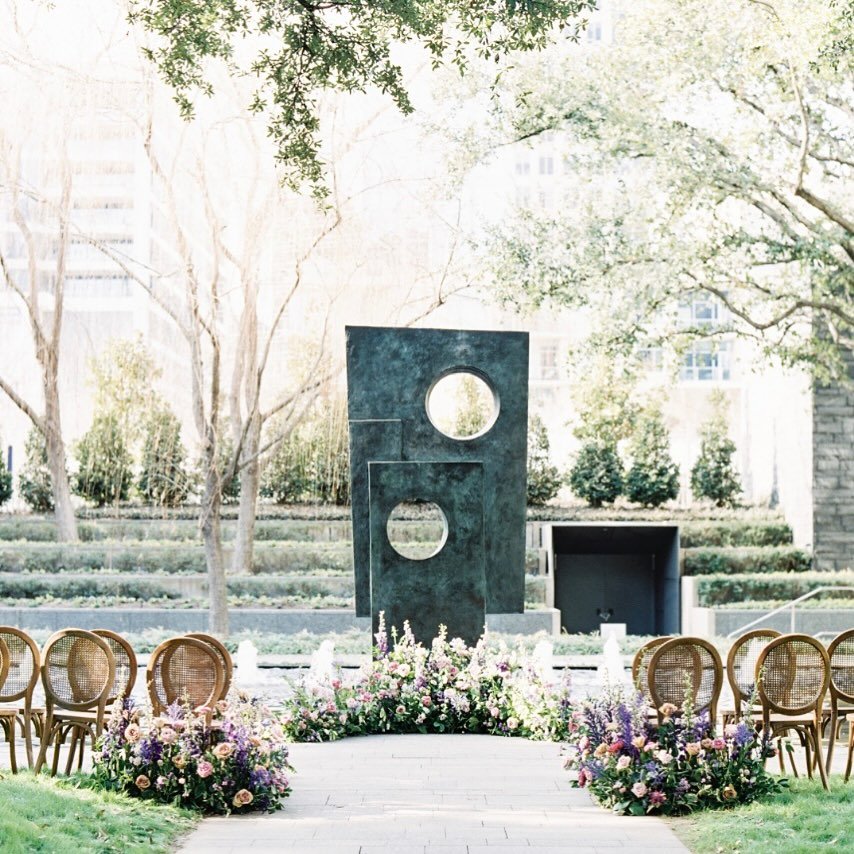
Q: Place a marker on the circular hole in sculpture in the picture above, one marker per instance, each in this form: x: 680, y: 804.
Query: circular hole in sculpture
x: 417, y: 530
x: 462, y: 405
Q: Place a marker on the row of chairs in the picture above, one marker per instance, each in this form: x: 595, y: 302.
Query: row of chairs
x: 801, y: 686
x: 84, y: 672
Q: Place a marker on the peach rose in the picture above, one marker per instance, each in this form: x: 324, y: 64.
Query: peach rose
x: 223, y: 750
x: 142, y: 782
x: 132, y: 732
x: 243, y: 798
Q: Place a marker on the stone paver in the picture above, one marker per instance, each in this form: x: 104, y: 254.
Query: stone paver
x: 432, y: 794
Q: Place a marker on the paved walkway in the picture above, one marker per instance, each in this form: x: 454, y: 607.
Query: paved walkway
x: 432, y: 794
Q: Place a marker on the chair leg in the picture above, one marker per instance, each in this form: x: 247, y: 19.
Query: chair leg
x: 46, y: 727
x: 850, y: 749
x: 781, y: 759
x: 26, y: 725
x: 74, y: 733
x: 816, y: 732
x: 832, y: 734
x: 13, y: 762
x: 57, y: 743
x: 807, y: 745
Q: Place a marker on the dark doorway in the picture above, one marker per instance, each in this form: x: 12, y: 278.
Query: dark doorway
x: 616, y: 573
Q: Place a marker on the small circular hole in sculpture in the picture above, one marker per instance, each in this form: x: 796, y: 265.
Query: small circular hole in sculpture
x: 417, y: 530
x: 462, y: 405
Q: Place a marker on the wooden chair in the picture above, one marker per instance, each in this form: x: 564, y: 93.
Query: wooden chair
x: 792, y: 678
x: 184, y: 670
x: 640, y: 663
x: 841, y: 655
x: 686, y: 664
x: 17, y: 690
x: 741, y: 670
x: 78, y: 671
x: 224, y: 656
x: 126, y: 664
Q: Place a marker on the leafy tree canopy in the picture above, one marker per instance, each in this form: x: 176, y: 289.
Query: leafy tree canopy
x: 708, y: 150
x: 296, y: 49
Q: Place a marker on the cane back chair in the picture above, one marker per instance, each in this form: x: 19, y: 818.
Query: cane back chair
x: 126, y: 664
x: 741, y: 670
x: 224, y: 657
x: 184, y: 670
x: 16, y: 691
x: 78, y: 670
x: 841, y: 655
x: 792, y: 677
x: 640, y: 663
x: 686, y: 665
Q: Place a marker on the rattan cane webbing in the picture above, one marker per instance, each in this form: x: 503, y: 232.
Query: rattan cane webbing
x: 4, y: 662
x: 223, y: 654
x: 741, y: 663
x: 23, y: 664
x: 793, y: 673
x: 841, y: 652
x: 685, y: 665
x: 77, y: 670
x: 640, y: 663
x: 184, y: 670
x: 125, y: 664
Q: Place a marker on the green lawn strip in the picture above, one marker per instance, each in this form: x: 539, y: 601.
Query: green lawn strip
x: 798, y: 821
x: 66, y: 815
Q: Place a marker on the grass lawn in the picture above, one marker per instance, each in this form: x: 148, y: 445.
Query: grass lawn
x: 62, y: 815
x: 799, y: 821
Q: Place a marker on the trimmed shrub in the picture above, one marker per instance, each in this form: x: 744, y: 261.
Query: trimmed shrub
x: 34, y: 482
x: 81, y: 588
x: 714, y: 475
x: 597, y: 475
x: 698, y: 534
x: 544, y: 479
x: 104, y: 464
x: 746, y: 560
x: 163, y: 478
x: 285, y: 478
x: 5, y: 479
x: 653, y: 477
x: 779, y: 586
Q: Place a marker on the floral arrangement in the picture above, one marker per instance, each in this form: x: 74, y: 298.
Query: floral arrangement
x: 446, y: 687
x: 230, y: 759
x: 637, y: 766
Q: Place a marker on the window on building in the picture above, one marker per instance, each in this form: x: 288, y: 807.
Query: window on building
x: 523, y: 167
x: 594, y: 31
x: 548, y: 362
x: 706, y: 360
x: 547, y: 165
x: 652, y: 358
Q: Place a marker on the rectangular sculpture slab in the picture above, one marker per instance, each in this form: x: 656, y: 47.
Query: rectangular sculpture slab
x: 448, y: 588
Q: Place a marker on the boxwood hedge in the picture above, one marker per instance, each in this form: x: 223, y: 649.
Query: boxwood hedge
x: 778, y: 586
x: 746, y: 560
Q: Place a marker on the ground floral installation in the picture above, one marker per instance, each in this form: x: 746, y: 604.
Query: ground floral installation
x: 444, y: 688
x: 229, y: 759
x: 637, y: 766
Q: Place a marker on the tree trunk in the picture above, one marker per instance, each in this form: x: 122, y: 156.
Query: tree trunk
x: 250, y: 476
x: 66, y: 524
x: 212, y: 538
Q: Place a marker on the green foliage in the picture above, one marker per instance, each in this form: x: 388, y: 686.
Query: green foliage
x: 597, y: 475
x: 103, y: 463
x: 5, y: 479
x: 653, y: 477
x: 698, y: 534
x: 163, y: 478
x: 544, y: 480
x: 745, y: 560
x: 714, y: 475
x: 471, y: 410
x: 34, y: 482
x: 296, y: 50
x: 286, y: 476
x: 230, y: 485
x: 602, y: 393
x: 779, y: 586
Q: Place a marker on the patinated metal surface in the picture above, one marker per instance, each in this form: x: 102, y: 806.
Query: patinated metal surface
x: 390, y: 373
x: 448, y: 588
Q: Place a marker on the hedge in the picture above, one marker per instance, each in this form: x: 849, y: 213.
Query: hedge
x: 779, y: 586
x: 733, y: 534
x: 746, y: 560
x: 84, y: 588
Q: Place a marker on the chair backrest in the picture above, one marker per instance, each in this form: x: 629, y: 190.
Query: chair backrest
x: 792, y: 675
x: 182, y: 670
x: 78, y: 670
x: 741, y: 663
x: 4, y: 662
x: 686, y: 664
x: 24, y: 660
x: 224, y: 656
x: 126, y: 664
x: 640, y: 663
x: 841, y: 655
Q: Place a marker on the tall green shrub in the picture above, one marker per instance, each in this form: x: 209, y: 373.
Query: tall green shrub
x: 285, y: 478
x: 163, y: 478
x: 544, y: 479
x: 34, y: 481
x: 653, y: 477
x: 597, y: 475
x: 104, y: 473
x: 714, y: 475
x: 5, y: 479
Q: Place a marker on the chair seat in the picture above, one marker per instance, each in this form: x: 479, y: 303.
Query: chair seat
x: 70, y: 716
x: 9, y: 711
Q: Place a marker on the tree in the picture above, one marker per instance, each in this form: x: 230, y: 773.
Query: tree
x: 471, y: 409
x: 708, y: 151
x: 714, y: 475
x: 597, y: 474
x: 34, y: 481
x: 285, y: 478
x: 544, y: 480
x: 163, y: 479
x: 104, y: 474
x: 298, y: 49
x: 5, y: 481
x: 653, y: 477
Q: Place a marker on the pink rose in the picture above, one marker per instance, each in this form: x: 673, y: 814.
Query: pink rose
x: 168, y: 735
x: 132, y: 732
x: 639, y: 789
x: 204, y: 769
x: 243, y: 798
x: 623, y: 762
x: 426, y: 701
x: 719, y: 744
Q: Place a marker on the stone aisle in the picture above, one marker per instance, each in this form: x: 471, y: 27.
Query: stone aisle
x: 432, y: 794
